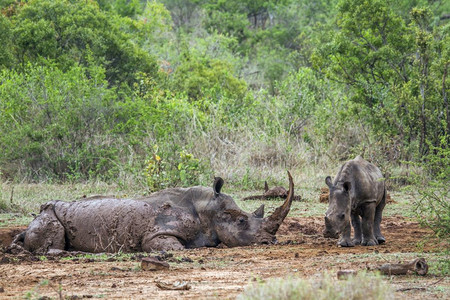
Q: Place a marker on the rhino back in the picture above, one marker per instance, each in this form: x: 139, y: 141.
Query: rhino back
x: 105, y: 225
x: 366, y: 181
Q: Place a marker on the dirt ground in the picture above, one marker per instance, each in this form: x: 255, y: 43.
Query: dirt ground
x: 220, y: 273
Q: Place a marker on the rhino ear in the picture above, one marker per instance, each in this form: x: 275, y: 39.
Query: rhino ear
x: 218, y: 183
x: 266, y: 187
x: 347, y: 186
x: 259, y: 213
x: 328, y: 181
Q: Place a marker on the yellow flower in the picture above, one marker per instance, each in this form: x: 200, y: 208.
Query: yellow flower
x: 157, y: 158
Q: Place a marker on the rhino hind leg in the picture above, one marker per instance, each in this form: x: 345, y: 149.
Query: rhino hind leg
x: 368, y: 225
x: 356, y: 223
x: 161, y: 243
x: 377, y: 221
x: 45, y: 233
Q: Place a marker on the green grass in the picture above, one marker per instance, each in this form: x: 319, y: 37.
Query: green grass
x: 27, y: 198
x: 14, y: 219
x: 361, y: 286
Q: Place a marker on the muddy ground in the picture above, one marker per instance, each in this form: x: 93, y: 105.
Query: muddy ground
x: 222, y: 273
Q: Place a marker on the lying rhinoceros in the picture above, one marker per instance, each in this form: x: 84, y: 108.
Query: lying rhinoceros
x: 171, y: 219
x: 358, y: 190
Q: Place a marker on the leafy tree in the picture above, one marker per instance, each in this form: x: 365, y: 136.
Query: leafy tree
x: 6, y: 57
x: 69, y: 31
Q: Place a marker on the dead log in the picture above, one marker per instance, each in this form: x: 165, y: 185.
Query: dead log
x: 176, y: 286
x: 153, y: 264
x: 273, y: 193
x: 324, y: 195
x: 418, y: 266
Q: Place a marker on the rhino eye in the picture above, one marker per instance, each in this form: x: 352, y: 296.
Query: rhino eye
x: 241, y: 220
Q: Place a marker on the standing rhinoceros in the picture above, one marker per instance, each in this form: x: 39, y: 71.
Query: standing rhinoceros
x: 171, y: 219
x: 358, y: 190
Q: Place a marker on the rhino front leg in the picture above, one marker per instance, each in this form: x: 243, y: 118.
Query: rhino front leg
x: 356, y: 223
x: 367, y: 225
x: 161, y: 243
x: 345, y: 239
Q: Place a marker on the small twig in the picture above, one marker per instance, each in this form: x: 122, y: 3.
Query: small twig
x: 420, y: 288
x: 412, y: 288
x: 12, y: 195
x: 436, y: 282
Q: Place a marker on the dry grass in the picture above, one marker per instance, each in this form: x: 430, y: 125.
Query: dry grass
x: 361, y: 286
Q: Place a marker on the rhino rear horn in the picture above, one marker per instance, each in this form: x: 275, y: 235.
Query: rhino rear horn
x: 259, y: 213
x: 273, y: 222
x: 217, y: 186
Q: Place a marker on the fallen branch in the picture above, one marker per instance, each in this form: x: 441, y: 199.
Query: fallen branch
x: 273, y: 193
x: 176, y: 286
x: 409, y: 289
x: 418, y: 266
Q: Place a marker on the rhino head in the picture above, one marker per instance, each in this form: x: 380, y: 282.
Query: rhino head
x: 337, y: 217
x: 235, y: 227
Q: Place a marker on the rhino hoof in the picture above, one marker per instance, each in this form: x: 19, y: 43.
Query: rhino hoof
x: 371, y: 242
x: 356, y: 241
x: 346, y: 243
x: 381, y: 239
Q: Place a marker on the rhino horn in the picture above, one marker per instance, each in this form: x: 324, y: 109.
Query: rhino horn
x: 259, y: 213
x: 273, y: 222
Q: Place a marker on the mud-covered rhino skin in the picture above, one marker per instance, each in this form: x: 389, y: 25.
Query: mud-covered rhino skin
x: 172, y: 219
x: 358, y: 194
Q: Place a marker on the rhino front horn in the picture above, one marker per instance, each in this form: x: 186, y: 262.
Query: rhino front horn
x: 273, y: 222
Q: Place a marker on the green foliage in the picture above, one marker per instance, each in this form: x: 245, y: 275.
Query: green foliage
x: 72, y: 32
x: 185, y: 170
x: 6, y: 57
x: 433, y: 211
x: 395, y: 70
x: 195, y: 75
x: 51, y: 123
x: 88, y: 88
x: 361, y: 286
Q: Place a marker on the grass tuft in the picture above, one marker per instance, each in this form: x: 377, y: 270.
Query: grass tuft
x: 361, y: 286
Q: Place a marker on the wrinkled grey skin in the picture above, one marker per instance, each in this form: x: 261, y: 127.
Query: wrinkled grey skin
x: 357, y: 196
x: 171, y: 219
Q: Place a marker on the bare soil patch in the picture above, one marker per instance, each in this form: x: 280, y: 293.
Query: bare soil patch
x: 221, y: 272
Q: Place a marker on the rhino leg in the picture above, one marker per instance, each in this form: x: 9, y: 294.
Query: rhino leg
x: 377, y: 221
x: 45, y: 232
x: 356, y: 223
x: 344, y: 239
x: 367, y: 225
x: 161, y: 243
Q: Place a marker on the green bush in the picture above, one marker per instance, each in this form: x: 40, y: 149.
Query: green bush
x: 184, y: 170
